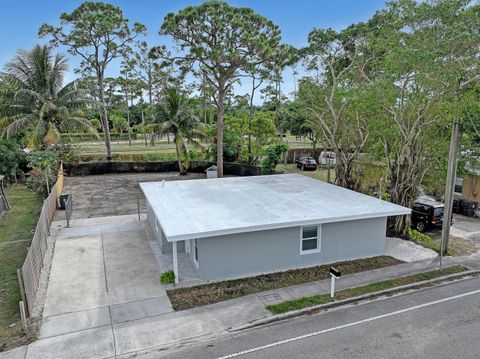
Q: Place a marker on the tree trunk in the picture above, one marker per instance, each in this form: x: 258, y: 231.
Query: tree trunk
x: 104, y: 116
x: 250, y: 117
x: 143, y: 130
x: 150, y: 108
x: 180, y: 164
x: 128, y: 119
x: 221, y: 95
x: 343, y: 171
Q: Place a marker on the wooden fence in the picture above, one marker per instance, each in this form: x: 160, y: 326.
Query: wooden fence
x: 29, y: 274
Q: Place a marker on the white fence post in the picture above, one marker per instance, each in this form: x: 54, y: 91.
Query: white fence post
x: 23, y: 315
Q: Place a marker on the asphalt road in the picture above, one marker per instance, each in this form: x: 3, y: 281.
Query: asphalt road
x: 439, y: 322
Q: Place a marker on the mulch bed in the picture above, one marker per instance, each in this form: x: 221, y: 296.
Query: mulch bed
x: 185, y: 298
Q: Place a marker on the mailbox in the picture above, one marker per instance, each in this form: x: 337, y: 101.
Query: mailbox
x: 335, y: 272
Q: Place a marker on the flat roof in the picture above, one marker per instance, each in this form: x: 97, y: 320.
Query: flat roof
x: 189, y: 209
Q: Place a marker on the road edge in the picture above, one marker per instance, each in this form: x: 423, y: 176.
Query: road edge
x: 364, y: 297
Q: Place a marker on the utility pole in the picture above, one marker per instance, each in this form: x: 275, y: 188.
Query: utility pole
x: 449, y: 188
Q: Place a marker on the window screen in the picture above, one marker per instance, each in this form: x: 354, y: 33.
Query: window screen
x: 309, y: 238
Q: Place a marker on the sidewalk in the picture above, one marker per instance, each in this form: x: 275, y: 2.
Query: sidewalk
x: 120, y: 336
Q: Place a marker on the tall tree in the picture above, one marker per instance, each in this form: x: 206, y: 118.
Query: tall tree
x: 98, y: 33
x: 146, y: 68
x: 424, y: 58
x: 221, y: 42
x: 34, y: 100
x: 329, y: 102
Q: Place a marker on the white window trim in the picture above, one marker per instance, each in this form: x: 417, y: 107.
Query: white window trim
x: 319, y: 241
x: 195, y: 250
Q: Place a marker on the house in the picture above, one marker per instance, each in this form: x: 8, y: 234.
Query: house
x: 468, y: 187
x: 242, y: 226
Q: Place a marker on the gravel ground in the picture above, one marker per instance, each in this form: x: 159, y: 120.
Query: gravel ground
x: 112, y: 194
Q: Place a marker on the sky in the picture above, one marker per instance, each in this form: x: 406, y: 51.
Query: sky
x: 20, y: 20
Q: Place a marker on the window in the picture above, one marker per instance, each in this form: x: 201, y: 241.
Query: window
x: 156, y: 225
x: 195, y: 251
x: 310, y: 239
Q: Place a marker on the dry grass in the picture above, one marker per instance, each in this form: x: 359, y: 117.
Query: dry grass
x: 456, y: 246
x: 185, y: 298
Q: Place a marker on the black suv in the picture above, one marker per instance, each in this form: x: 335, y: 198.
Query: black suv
x: 427, y: 214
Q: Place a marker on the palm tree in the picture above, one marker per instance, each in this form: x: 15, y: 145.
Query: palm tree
x: 174, y: 115
x: 34, y: 101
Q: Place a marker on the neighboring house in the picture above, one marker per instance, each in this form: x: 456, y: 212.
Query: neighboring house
x: 242, y: 226
x: 468, y: 187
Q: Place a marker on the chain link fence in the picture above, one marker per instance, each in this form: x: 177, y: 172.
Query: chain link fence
x: 29, y: 274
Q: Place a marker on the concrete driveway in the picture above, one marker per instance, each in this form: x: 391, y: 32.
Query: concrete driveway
x: 102, y: 271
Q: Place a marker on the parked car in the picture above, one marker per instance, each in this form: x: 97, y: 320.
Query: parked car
x: 307, y: 163
x: 427, y: 214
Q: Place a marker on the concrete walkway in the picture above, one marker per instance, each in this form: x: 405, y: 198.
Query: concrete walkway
x: 407, y: 251
x: 125, y: 333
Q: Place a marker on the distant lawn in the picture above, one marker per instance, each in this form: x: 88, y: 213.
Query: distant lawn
x: 122, y: 147
x: 185, y: 298
x: 306, y: 302
x: 16, y: 226
x: 320, y: 174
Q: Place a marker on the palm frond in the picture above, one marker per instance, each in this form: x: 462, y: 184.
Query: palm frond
x: 32, y: 97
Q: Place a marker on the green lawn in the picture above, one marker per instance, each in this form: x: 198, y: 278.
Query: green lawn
x: 123, y: 147
x: 16, y: 228
x: 138, y: 146
x: 320, y: 174
x: 306, y: 302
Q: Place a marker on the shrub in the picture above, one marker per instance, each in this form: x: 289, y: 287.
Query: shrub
x: 67, y: 153
x: 273, y: 155
x: 44, y: 165
x: 418, y: 236
x: 167, y: 277
x: 10, y: 157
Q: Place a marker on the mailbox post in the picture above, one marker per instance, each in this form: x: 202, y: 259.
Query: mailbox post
x: 335, y: 273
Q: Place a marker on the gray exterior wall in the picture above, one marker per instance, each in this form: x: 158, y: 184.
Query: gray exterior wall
x: 165, y: 246
x: 246, y: 254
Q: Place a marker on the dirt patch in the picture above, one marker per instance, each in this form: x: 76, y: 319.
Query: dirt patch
x: 456, y: 246
x: 462, y: 247
x: 112, y: 194
x: 185, y: 298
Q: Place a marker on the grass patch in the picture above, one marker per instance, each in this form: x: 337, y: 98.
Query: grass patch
x: 427, y: 241
x: 320, y: 173
x: 16, y: 228
x: 299, y: 303
x: 456, y: 246
x: 185, y: 298
x: 305, y: 302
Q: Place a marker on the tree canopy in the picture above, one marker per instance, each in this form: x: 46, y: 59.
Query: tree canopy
x: 219, y: 43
